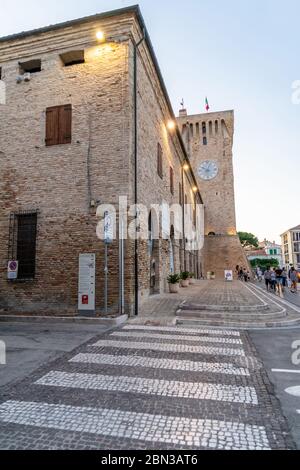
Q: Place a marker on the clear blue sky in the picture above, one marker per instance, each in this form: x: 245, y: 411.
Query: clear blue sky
x: 244, y: 55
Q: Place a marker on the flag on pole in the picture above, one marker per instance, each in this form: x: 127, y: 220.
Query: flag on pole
x: 206, y: 104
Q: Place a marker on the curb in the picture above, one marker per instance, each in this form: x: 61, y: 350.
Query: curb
x: 81, y: 320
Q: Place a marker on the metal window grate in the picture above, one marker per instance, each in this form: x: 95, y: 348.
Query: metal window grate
x: 22, y: 242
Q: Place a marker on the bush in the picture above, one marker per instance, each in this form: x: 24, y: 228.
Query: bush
x: 185, y: 276
x: 173, y: 278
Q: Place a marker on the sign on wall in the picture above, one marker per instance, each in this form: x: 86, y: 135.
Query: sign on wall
x: 12, y: 270
x: 229, y: 276
x: 86, y: 282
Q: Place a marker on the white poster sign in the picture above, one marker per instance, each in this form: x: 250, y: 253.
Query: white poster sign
x: 229, y: 276
x: 86, y: 282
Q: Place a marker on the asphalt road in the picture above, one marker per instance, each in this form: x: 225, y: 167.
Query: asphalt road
x: 275, y: 349
x: 30, y: 345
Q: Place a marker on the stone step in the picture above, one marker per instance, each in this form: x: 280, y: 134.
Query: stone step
x: 225, y: 308
x: 234, y: 316
x: 241, y: 324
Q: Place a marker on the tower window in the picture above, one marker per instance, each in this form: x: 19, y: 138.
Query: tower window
x: 31, y: 66
x: 204, y: 140
x: 210, y: 128
x: 72, y: 58
x: 203, y: 128
x: 216, y: 127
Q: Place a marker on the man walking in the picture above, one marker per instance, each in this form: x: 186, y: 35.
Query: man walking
x: 267, y: 276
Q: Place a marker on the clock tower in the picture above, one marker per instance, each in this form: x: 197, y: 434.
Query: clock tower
x: 209, y: 141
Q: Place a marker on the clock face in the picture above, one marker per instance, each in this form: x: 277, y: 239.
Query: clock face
x: 208, y: 170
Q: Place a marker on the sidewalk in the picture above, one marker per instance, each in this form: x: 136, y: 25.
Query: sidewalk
x: 161, y: 309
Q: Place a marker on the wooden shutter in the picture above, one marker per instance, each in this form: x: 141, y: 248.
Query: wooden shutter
x: 52, y: 126
x: 65, y: 124
x: 59, y: 125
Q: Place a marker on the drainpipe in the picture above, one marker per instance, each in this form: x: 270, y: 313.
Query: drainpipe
x: 183, y: 219
x: 135, y: 98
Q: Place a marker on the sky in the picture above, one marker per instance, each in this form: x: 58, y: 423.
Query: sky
x: 243, y: 55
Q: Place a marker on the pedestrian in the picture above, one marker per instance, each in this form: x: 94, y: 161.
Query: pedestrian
x: 284, y: 278
x: 294, y: 280
x: 259, y: 274
x: 273, y: 280
x: 241, y: 274
x: 279, y: 280
x: 267, y: 276
x: 245, y: 274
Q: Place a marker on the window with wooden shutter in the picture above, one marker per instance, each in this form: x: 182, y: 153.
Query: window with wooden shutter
x: 172, y: 180
x: 59, y: 125
x: 159, y: 161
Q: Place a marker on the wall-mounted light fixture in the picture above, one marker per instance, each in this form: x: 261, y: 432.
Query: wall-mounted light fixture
x: 100, y: 36
x: 171, y: 125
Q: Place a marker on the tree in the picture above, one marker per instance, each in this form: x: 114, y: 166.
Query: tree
x: 248, y: 240
x: 264, y: 263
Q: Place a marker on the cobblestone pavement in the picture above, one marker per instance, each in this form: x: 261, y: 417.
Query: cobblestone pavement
x: 148, y: 388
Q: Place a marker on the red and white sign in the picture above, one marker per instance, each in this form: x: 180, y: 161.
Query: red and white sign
x: 12, y: 269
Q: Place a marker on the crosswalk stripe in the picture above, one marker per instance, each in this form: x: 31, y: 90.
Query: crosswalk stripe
x: 200, y: 339
x: 176, y: 348
x: 194, y: 433
x: 154, y: 363
x: 176, y: 329
x: 144, y: 386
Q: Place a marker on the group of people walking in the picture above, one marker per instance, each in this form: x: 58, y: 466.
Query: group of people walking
x: 278, y: 279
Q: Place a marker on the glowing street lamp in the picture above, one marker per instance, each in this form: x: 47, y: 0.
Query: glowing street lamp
x: 100, y: 36
x: 171, y: 125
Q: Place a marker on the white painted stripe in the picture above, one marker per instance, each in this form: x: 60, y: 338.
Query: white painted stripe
x: 294, y: 391
x: 175, y: 329
x: 176, y: 348
x: 271, y: 298
x: 194, y: 433
x: 199, y: 339
x: 164, y: 388
x: 286, y: 371
x: 154, y: 363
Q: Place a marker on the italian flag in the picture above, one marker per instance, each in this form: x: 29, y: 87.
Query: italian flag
x: 206, y: 104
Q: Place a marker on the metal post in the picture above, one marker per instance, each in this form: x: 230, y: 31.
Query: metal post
x: 106, y: 279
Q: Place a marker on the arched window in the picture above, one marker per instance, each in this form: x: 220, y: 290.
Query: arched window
x: 216, y: 127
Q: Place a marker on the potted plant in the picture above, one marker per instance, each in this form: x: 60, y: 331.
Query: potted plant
x: 192, y: 278
x: 213, y: 275
x: 173, y: 281
x: 185, y: 279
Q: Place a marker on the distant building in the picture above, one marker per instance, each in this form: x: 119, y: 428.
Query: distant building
x: 267, y: 250
x: 291, y: 247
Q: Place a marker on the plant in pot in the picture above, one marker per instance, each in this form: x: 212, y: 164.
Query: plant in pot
x: 192, y: 278
x: 213, y: 275
x: 173, y: 280
x: 185, y: 279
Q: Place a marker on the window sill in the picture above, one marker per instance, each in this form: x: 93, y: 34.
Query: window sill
x: 20, y: 281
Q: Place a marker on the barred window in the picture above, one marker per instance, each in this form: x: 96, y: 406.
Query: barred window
x: 22, y: 243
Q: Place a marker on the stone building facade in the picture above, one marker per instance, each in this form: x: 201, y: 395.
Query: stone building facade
x: 209, y: 142
x: 84, y: 101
